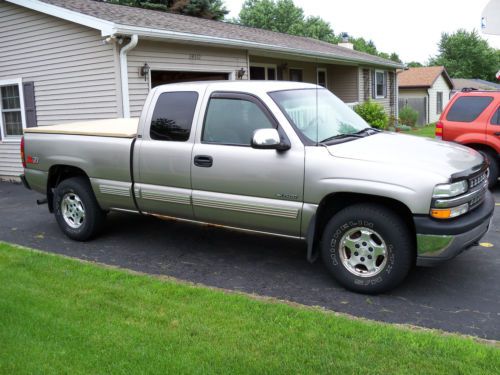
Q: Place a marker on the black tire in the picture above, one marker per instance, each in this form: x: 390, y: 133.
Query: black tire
x: 493, y: 161
x: 72, y: 196
x: 388, y: 231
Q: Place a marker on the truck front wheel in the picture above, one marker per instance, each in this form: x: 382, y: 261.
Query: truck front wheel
x: 76, y: 209
x: 367, y: 248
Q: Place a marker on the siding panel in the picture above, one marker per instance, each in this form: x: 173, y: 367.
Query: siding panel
x: 176, y: 57
x: 72, y: 69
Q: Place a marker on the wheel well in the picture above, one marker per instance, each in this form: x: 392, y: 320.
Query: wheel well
x: 58, y: 173
x: 482, y: 147
x: 335, y: 202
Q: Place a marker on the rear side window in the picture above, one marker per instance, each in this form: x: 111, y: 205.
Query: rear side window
x: 233, y: 121
x: 495, y: 120
x: 173, y: 116
x: 468, y: 108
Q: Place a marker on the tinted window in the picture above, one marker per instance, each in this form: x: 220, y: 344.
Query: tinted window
x: 173, y: 116
x: 468, y: 108
x: 233, y: 121
x: 495, y: 120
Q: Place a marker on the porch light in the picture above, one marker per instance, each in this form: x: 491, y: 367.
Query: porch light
x: 240, y: 73
x: 145, y: 71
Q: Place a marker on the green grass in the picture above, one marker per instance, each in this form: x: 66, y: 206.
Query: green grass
x: 62, y: 316
x: 425, y: 131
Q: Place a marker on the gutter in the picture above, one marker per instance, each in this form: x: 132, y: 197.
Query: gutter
x: 124, y: 74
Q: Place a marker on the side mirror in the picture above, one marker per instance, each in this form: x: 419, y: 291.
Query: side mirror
x: 268, y: 139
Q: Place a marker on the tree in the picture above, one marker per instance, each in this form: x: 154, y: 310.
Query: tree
x: 467, y: 55
x: 281, y: 15
x: 414, y: 64
x: 211, y: 9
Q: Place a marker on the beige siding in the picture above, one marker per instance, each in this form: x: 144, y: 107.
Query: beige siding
x: 72, y: 70
x: 439, y: 86
x: 10, y: 160
x: 177, y: 57
x: 412, y: 93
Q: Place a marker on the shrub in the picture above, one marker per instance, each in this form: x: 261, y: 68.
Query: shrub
x: 373, y: 113
x: 408, y: 116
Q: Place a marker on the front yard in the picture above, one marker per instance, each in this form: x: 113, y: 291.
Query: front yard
x: 425, y: 131
x: 59, y: 315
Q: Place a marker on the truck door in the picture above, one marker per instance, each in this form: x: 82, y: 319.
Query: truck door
x: 163, y: 167
x: 493, y: 127
x: 235, y: 184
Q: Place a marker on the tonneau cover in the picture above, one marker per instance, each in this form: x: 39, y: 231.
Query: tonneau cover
x: 118, y: 127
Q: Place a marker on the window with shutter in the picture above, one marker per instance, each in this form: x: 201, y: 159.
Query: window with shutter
x: 12, y: 115
x: 380, y: 84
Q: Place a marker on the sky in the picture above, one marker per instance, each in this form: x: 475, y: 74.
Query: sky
x: 411, y: 29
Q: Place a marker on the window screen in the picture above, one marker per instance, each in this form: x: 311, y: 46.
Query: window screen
x: 233, y: 121
x: 173, y: 116
x: 468, y: 108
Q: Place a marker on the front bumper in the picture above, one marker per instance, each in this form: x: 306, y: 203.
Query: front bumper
x: 438, y: 241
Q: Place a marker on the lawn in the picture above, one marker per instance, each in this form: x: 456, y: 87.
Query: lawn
x: 425, y: 131
x: 63, y: 316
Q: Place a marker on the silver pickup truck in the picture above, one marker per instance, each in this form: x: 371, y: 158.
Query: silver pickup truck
x: 282, y: 158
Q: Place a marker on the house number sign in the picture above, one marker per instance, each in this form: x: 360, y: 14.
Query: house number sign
x: 194, y: 56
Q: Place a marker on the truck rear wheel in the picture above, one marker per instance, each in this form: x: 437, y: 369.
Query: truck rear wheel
x: 76, y: 209
x: 367, y: 248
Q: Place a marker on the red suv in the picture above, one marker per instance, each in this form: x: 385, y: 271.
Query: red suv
x: 472, y: 118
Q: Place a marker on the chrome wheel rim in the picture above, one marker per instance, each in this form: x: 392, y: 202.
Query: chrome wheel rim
x: 363, y: 252
x: 73, y: 210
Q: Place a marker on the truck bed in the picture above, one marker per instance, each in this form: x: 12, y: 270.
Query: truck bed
x: 118, y: 128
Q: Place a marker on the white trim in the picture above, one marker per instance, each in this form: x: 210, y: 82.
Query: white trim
x: 384, y: 95
x: 19, y: 83
x: 105, y: 27
x: 324, y: 70
x: 265, y: 66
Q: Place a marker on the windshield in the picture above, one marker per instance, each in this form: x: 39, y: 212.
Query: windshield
x: 318, y: 114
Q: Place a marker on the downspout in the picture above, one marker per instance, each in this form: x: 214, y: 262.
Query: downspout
x: 124, y: 74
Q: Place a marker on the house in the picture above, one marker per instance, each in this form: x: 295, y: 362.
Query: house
x: 425, y: 89
x: 68, y: 60
x: 475, y: 84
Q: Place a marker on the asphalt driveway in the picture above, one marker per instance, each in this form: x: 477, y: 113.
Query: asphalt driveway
x: 462, y: 295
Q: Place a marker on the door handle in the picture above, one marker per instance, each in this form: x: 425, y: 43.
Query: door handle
x: 203, y: 161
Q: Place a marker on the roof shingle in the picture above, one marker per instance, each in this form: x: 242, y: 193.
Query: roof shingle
x: 138, y: 17
x: 421, y: 77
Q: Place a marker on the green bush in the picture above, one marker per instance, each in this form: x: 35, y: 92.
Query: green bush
x: 408, y: 116
x: 373, y: 113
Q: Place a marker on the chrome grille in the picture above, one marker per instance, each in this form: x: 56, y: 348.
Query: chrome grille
x: 475, y: 181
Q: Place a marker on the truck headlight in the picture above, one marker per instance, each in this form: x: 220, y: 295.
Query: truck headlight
x: 450, y: 190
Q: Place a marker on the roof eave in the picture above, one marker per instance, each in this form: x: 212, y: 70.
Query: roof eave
x: 105, y: 27
x: 178, y: 36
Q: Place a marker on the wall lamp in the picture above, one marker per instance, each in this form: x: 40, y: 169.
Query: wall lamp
x: 145, y: 71
x: 240, y: 73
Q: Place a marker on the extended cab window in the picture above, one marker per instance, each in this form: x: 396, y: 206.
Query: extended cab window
x: 233, y: 121
x: 173, y: 116
x: 468, y: 108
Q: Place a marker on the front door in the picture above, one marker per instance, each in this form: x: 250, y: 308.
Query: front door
x: 237, y: 185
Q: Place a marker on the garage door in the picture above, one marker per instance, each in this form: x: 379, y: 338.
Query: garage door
x: 161, y: 77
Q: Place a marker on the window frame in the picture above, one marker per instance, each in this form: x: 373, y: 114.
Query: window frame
x: 266, y: 67
x: 495, y: 117
x: 239, y: 96
x: 322, y: 70
x: 9, y: 138
x: 384, y: 84
x: 439, y: 102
